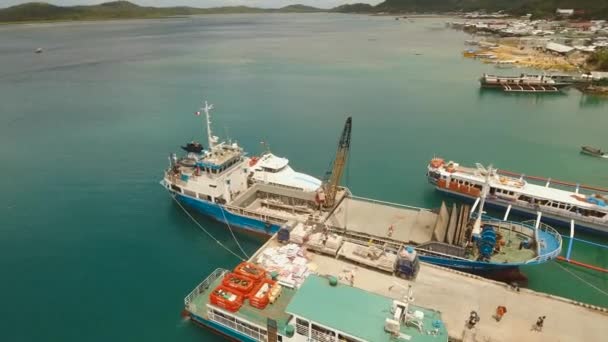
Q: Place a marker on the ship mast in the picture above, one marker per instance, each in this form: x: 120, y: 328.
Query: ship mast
x: 210, y: 138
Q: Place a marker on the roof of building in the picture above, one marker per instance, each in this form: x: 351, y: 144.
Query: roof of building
x: 558, y: 47
x: 349, y: 309
x: 599, y: 74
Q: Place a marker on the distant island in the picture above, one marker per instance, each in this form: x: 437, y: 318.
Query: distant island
x: 40, y: 11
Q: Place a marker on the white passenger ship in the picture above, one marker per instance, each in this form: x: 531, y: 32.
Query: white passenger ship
x: 565, y: 205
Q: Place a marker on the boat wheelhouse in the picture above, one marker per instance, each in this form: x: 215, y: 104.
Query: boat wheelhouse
x: 271, y: 169
x: 564, y: 204
x: 592, y: 151
x: 258, y: 194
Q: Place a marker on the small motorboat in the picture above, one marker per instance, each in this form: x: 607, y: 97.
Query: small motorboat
x: 193, y: 147
x: 39, y: 50
x: 592, y: 151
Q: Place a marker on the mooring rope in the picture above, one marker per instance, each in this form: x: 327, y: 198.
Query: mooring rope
x: 583, y: 280
x: 205, y: 230
x: 231, y: 232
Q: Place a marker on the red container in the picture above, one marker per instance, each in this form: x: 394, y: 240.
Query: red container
x: 258, y: 298
x: 226, y: 298
x: 250, y: 270
x: 239, y: 283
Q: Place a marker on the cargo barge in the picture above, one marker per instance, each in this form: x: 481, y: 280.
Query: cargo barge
x: 224, y: 184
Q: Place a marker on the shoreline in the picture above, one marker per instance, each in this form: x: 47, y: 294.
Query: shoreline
x: 509, y: 52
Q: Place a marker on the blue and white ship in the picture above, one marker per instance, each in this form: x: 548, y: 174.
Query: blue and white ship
x: 211, y: 179
x: 264, y: 195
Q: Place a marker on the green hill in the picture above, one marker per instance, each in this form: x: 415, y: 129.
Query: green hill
x: 354, y: 8
x: 299, y: 9
x: 37, y: 11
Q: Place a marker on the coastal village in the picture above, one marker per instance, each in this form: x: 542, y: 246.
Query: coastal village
x: 562, y: 46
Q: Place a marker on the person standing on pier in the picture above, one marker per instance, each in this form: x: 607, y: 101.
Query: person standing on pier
x: 500, y: 311
x: 539, y: 324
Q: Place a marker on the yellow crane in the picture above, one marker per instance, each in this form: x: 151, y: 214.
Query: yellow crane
x: 329, y: 189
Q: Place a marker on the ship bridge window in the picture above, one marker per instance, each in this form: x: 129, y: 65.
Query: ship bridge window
x: 525, y: 198
x: 596, y: 213
x: 347, y: 338
x: 302, y: 326
x: 320, y: 333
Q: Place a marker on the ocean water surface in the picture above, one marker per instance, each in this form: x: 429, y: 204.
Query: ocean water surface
x: 92, y: 248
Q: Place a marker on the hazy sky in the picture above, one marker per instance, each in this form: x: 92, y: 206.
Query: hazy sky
x: 203, y: 3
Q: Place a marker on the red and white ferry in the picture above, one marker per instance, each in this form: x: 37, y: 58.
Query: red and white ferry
x: 559, y: 202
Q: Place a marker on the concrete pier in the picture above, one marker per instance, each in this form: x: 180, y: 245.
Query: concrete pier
x: 456, y: 295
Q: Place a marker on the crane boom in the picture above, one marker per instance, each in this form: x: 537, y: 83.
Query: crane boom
x: 330, y: 186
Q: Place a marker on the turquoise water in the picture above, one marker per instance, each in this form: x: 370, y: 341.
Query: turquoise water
x: 92, y: 248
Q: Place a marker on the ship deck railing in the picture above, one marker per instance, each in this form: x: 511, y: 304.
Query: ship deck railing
x: 557, y: 211
x: 204, y: 285
x: 553, y: 251
x: 519, y: 228
x: 253, y: 213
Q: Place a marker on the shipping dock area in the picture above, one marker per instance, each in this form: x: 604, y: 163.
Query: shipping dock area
x: 456, y: 294
x: 374, y: 218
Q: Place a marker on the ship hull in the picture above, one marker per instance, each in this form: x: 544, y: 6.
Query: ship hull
x: 547, y: 217
x: 502, y: 85
x: 217, y: 328
x: 221, y: 214
x: 467, y: 265
x: 499, y: 272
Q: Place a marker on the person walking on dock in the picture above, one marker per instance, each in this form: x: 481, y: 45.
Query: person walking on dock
x: 473, y: 319
x: 539, y: 324
x: 500, y: 311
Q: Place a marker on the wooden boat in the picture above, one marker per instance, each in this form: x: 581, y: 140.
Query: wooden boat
x: 592, y: 151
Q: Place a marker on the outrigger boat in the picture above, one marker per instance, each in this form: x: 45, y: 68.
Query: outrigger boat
x: 566, y: 205
x: 523, y: 83
x: 592, y: 151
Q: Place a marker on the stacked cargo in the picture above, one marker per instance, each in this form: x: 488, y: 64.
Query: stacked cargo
x: 288, y: 261
x: 325, y: 243
x: 300, y: 233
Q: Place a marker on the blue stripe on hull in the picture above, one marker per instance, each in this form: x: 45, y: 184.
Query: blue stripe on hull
x: 468, y: 265
x: 231, y: 334
x: 548, y: 220
x: 214, y: 211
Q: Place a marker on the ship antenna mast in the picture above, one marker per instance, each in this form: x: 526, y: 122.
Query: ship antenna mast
x: 210, y: 139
